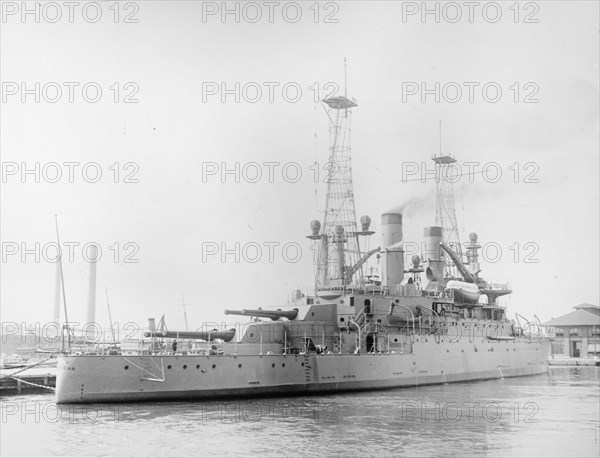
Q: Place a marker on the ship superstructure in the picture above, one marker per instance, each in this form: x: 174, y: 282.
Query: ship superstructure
x: 355, y: 332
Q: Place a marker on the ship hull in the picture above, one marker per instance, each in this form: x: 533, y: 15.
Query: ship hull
x: 85, y: 379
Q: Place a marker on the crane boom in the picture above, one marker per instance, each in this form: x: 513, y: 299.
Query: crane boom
x: 467, y: 276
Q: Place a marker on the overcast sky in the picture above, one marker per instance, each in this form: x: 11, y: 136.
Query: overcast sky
x: 175, y: 60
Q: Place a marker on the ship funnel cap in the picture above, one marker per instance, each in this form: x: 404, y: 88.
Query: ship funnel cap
x: 315, y: 227
x: 365, y: 222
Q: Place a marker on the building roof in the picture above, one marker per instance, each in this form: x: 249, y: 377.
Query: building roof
x: 584, y: 315
x: 588, y: 308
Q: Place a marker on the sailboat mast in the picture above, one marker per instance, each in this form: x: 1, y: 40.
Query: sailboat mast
x: 112, y: 329
x: 184, y: 312
x: 62, y: 282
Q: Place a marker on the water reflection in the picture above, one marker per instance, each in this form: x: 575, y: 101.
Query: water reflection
x: 555, y: 414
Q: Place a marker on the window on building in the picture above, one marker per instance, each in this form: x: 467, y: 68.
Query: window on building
x: 594, y: 346
x: 559, y: 332
x: 574, y: 331
x: 594, y: 331
x: 558, y: 348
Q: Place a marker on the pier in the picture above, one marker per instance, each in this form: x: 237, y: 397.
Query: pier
x: 557, y: 360
x: 34, y: 380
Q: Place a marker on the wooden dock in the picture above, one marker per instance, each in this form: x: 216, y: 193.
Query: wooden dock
x: 34, y: 380
x: 566, y: 361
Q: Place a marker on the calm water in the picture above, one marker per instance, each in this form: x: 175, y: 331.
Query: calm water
x: 555, y: 414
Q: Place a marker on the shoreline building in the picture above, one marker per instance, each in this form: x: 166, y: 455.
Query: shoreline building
x: 576, y: 334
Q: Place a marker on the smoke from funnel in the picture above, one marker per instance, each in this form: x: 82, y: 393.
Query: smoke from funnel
x: 415, y: 205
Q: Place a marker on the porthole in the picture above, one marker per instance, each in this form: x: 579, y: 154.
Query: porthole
x: 214, y: 366
x: 197, y: 366
x: 282, y: 364
x: 273, y: 365
x: 185, y: 366
x: 302, y: 364
x: 126, y: 367
x: 240, y: 366
x: 395, y: 340
x: 342, y: 319
x: 169, y: 366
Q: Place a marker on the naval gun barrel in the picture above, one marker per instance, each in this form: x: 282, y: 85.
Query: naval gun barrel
x: 273, y: 314
x: 197, y: 335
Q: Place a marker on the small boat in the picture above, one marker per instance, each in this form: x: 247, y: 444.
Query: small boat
x: 464, y: 292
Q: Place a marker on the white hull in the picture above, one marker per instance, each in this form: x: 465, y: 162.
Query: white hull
x: 149, y: 378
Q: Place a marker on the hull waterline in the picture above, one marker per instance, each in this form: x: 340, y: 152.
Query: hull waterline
x: 156, y: 378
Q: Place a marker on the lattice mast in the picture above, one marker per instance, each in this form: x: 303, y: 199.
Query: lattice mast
x: 445, y: 212
x: 339, y: 256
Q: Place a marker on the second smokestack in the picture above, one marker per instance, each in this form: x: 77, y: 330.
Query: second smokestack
x: 392, y: 255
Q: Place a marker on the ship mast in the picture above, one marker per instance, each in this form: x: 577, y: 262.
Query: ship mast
x: 64, y: 294
x: 183, y: 304
x: 445, y: 212
x: 112, y: 329
x: 339, y: 255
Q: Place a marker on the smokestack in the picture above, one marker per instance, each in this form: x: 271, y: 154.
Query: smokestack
x: 91, y: 305
x: 391, y: 229
x: 57, y: 291
x: 392, y: 252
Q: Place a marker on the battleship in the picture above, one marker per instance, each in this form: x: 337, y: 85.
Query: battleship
x: 428, y: 320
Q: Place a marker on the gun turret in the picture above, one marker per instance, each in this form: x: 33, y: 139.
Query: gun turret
x: 198, y: 335
x: 273, y: 314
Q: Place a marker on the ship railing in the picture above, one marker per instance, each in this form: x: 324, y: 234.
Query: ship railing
x: 344, y: 289
x: 403, y: 290
x: 412, y: 315
x: 531, y: 330
x: 437, y: 323
x: 84, y: 340
x: 359, y: 331
x: 449, y: 295
x: 433, y: 323
x: 361, y: 318
x: 498, y: 286
x: 375, y: 328
x: 426, y: 322
x: 406, y: 329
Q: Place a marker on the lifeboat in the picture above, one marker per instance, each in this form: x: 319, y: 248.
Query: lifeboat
x: 464, y: 292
